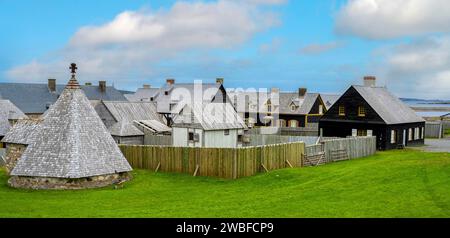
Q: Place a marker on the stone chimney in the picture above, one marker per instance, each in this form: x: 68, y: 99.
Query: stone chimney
x: 219, y: 80
x: 52, y: 85
x: 102, y: 86
x: 302, y: 92
x: 370, y: 81
x: 170, y: 81
x: 146, y: 86
x: 275, y: 90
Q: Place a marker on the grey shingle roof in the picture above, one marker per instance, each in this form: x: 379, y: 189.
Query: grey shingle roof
x: 285, y: 100
x: 36, y: 98
x: 8, y: 111
x: 164, y: 101
x: 72, y: 142
x: 22, y: 132
x: 209, y: 116
x: 142, y: 94
x: 125, y: 128
x: 126, y: 113
x: 329, y: 99
x: 391, y: 109
x: 4, y: 124
x: 153, y: 125
x: 12, y: 112
x: 303, y: 105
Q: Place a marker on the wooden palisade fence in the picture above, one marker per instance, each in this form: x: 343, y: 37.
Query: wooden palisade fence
x: 215, y: 162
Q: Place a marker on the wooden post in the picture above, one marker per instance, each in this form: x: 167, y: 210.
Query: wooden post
x: 264, y: 167
x: 289, y: 163
x: 196, y: 170
x: 157, y: 167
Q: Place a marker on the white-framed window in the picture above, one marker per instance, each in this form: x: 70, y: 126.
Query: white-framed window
x: 416, y: 133
x: 393, y: 136
x: 410, y: 134
x: 226, y: 132
x: 369, y: 132
x: 354, y: 132
x: 293, y: 107
x: 320, y: 109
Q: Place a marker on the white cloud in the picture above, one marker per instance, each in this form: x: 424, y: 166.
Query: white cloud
x: 317, y: 48
x: 134, y: 41
x: 272, y: 46
x: 419, y: 69
x: 384, y: 19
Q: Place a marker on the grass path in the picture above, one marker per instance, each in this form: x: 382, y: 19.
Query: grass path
x: 389, y: 184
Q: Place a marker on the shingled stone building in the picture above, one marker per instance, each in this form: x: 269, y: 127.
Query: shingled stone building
x: 72, y: 148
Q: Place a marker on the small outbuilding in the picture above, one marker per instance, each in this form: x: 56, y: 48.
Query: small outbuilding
x: 17, y: 139
x: 373, y: 111
x: 72, y: 149
x: 9, y: 114
x: 211, y: 125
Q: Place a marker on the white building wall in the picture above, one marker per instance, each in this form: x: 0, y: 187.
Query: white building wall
x: 218, y: 139
x: 180, y: 137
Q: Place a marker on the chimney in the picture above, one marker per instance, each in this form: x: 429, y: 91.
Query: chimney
x: 52, y: 85
x: 146, y: 86
x: 370, y: 81
x: 302, y: 92
x: 88, y: 84
x: 102, y: 86
x: 219, y: 80
x: 170, y: 81
x: 275, y: 90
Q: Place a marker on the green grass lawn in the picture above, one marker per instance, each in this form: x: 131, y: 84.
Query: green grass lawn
x: 389, y: 184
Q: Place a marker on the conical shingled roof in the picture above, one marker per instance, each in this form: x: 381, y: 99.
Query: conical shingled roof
x: 72, y: 142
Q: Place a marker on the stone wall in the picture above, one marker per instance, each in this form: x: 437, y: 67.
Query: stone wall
x: 13, y: 153
x: 68, y: 184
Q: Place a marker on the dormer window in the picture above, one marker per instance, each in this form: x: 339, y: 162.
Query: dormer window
x: 269, y: 106
x: 293, y: 107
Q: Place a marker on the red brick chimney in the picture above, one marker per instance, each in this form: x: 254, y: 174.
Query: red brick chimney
x: 370, y: 81
x: 170, y: 81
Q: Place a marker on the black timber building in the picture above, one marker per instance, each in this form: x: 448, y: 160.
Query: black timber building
x: 369, y: 110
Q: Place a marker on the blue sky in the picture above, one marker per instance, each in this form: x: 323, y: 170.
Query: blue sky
x: 322, y: 45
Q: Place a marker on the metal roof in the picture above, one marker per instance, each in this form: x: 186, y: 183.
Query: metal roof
x: 72, y: 142
x: 391, y: 109
x: 37, y: 98
x: 22, y: 132
x: 209, y: 116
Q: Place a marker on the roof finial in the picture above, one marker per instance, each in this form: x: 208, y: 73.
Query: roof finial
x: 73, y: 83
x: 73, y: 68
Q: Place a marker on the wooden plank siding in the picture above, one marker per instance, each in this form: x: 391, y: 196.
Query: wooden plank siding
x: 228, y: 163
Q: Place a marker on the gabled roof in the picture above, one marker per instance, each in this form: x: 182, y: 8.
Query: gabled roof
x: 9, y: 109
x: 130, y: 111
x: 125, y: 128
x: 143, y: 95
x: 391, y: 109
x: 125, y: 113
x: 303, y: 105
x: 164, y: 101
x: 153, y: 125
x: 36, y: 98
x: 22, y: 132
x: 72, y: 142
x: 329, y: 99
x: 210, y: 117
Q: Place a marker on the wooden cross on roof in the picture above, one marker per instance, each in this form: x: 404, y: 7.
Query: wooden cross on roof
x: 73, y: 68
